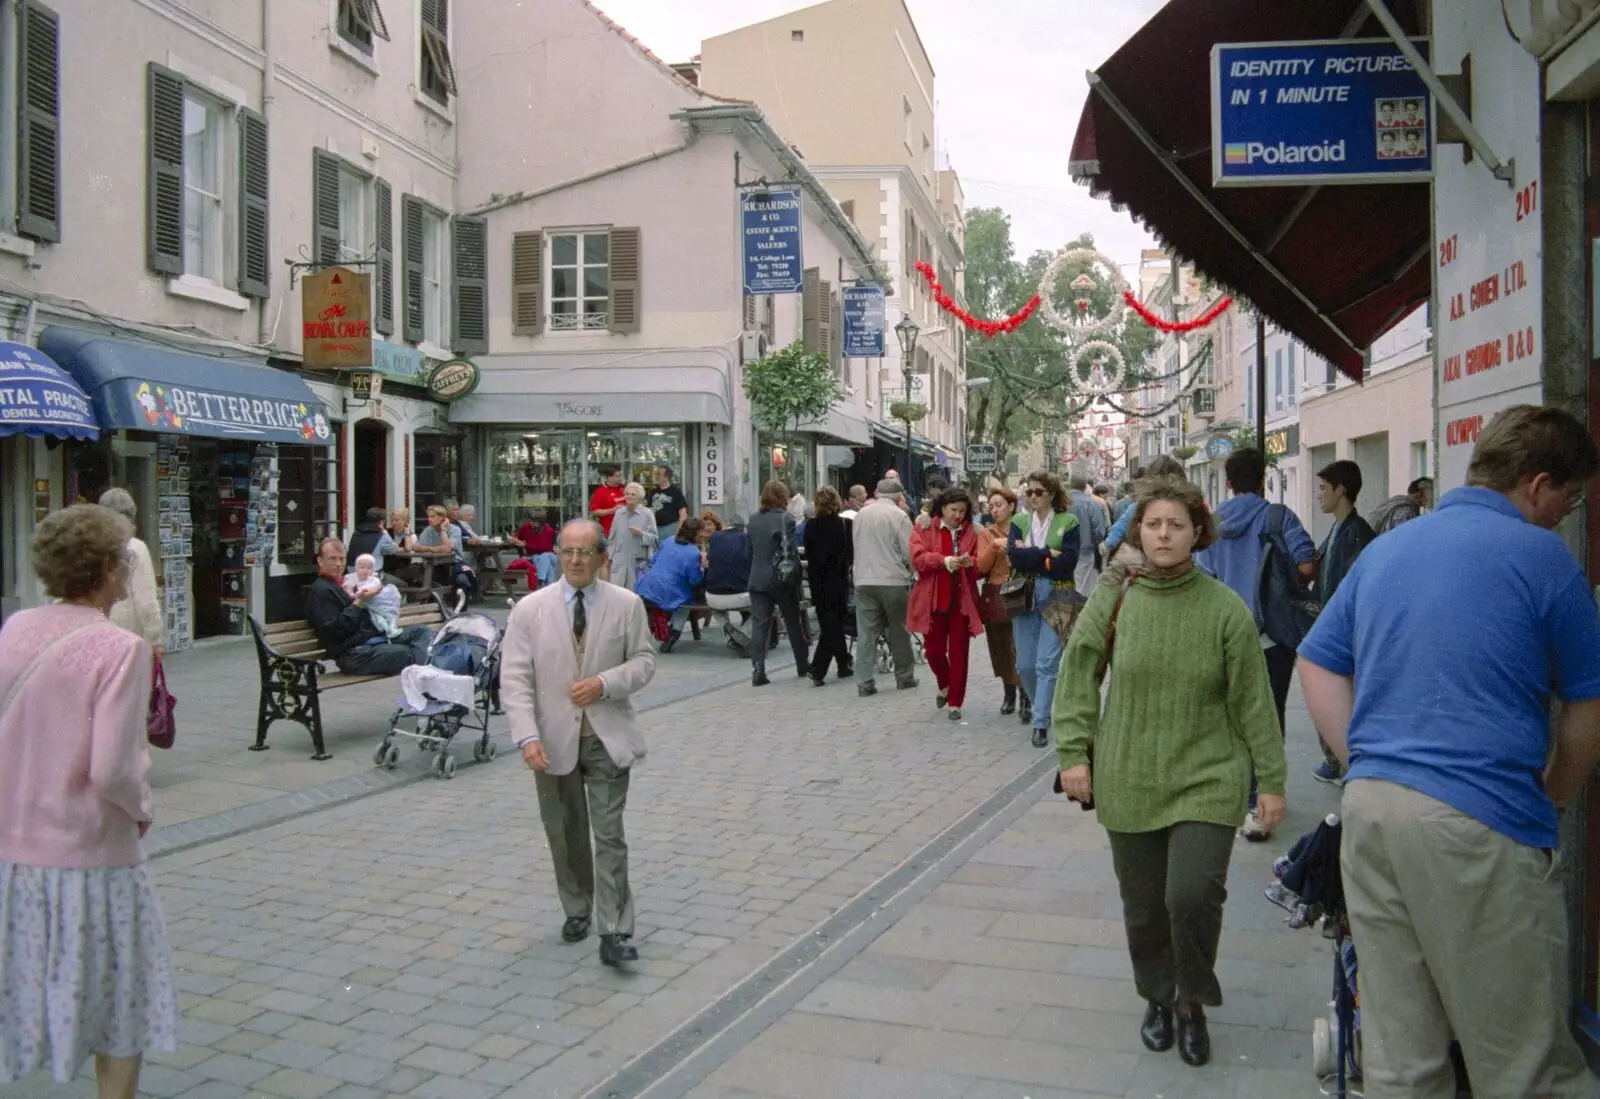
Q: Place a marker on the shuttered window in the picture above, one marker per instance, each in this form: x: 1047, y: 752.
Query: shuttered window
x: 470, y: 317
x: 438, y: 75
x: 527, y: 280
x: 325, y: 207
x: 825, y: 313
x: 623, y: 310
x: 810, y: 310
x: 39, y: 124
x: 164, y: 235
x: 254, y: 241
x: 411, y: 212
x: 383, y: 270
x: 360, y: 21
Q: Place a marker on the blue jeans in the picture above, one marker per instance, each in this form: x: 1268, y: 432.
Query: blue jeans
x: 1038, y: 656
x: 547, y: 567
x: 680, y: 618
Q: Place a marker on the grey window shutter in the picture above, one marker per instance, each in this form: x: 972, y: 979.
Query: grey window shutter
x: 39, y: 124
x: 749, y: 312
x: 527, y: 283
x: 470, y: 284
x: 841, y: 365
x: 325, y: 206
x: 411, y: 246
x: 255, y: 245
x: 622, y: 312
x: 383, y: 273
x: 810, y: 336
x: 825, y: 320
x: 164, y: 232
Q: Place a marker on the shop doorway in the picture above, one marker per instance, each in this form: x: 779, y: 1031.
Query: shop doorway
x: 371, y: 467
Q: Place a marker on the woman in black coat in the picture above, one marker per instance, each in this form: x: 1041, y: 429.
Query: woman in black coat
x: 772, y: 538
x: 828, y: 558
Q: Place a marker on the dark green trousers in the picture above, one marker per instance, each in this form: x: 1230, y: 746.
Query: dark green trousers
x: 1174, y: 883
x: 591, y: 881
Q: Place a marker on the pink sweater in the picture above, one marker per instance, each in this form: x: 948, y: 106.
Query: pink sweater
x: 73, y: 783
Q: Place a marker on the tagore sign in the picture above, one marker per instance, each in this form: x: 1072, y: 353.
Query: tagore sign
x: 336, y: 314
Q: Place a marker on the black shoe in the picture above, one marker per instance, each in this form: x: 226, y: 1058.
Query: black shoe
x: 575, y: 930
x: 1156, y: 1030
x: 1194, y: 1042
x: 819, y: 682
x: 847, y: 671
x: 672, y: 639
x: 1025, y: 713
x: 864, y: 690
x: 616, y: 949
x: 940, y: 702
x: 955, y: 713
x: 758, y: 678
x: 1040, y: 738
x: 1009, y: 706
x: 804, y: 671
x: 906, y: 684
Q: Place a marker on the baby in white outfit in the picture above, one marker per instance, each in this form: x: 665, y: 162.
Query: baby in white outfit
x: 384, y: 608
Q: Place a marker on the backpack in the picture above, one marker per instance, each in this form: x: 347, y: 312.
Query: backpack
x: 1285, y: 608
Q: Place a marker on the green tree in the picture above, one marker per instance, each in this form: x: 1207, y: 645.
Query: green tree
x: 790, y: 387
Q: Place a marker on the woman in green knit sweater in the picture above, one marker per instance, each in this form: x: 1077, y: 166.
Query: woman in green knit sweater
x: 1188, y: 712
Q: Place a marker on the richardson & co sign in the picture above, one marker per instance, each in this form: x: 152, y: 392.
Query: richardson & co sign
x: 336, y: 319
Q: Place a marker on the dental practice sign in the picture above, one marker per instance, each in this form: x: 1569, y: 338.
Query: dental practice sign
x: 1342, y: 111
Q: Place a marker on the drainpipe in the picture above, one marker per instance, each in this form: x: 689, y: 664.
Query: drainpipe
x: 269, y: 72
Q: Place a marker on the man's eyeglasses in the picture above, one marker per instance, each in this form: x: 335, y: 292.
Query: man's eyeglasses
x: 579, y: 552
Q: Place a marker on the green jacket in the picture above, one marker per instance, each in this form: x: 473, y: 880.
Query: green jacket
x: 1188, y: 711
x: 1057, y: 560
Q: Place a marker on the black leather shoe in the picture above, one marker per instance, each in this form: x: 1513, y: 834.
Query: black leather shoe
x: 575, y: 930
x: 847, y: 671
x: 1025, y: 713
x: 940, y: 702
x: 866, y: 690
x: 759, y: 678
x: 1156, y: 1030
x: 1194, y: 1041
x: 805, y: 672
x: 616, y: 949
x: 1040, y: 739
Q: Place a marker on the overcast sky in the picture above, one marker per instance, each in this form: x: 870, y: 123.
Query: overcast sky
x: 1010, y: 85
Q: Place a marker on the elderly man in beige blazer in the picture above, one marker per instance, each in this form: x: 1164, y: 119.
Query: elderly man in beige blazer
x: 574, y: 653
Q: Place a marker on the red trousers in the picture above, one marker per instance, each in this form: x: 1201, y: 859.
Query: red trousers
x: 947, y: 643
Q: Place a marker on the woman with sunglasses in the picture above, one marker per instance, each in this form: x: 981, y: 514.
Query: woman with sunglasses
x: 1043, y: 546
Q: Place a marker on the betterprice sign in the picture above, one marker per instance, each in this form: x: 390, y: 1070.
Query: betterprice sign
x: 1343, y: 111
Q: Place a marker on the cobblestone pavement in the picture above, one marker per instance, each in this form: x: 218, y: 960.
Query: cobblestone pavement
x: 836, y: 897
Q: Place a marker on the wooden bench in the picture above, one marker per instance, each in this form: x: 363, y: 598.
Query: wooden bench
x: 738, y: 640
x: 292, y: 680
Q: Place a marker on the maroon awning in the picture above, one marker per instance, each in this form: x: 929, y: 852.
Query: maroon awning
x: 1335, y: 266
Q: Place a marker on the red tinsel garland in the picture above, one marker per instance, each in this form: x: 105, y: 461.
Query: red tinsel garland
x: 1156, y: 321
x: 991, y: 329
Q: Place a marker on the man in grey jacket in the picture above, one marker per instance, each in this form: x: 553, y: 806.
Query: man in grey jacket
x: 881, y: 539
x: 1092, y: 523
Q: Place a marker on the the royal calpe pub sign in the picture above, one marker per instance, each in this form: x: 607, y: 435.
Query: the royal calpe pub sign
x: 452, y: 380
x: 336, y: 319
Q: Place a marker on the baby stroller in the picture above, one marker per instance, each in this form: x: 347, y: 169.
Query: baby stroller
x: 1310, y: 888
x: 459, y: 685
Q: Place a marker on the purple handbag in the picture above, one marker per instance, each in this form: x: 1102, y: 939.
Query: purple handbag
x: 160, y: 725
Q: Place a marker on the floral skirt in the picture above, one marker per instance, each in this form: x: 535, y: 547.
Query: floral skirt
x: 84, y: 969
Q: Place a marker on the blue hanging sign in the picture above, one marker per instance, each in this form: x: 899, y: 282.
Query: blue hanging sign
x: 863, y: 322
x: 1342, y: 111
x: 771, y: 223
x: 38, y: 398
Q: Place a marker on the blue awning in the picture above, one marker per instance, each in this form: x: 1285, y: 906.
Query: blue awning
x: 896, y: 437
x: 146, y: 388
x: 38, y: 398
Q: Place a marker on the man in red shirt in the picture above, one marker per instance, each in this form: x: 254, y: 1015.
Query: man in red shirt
x: 607, y: 499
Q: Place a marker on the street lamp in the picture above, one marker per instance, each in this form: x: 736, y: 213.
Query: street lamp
x: 907, y: 332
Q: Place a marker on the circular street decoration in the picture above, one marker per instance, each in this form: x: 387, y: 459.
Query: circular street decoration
x: 1110, y: 381
x: 450, y: 381
x: 1067, y: 326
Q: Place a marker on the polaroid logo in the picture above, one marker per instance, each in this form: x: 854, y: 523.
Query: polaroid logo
x: 1256, y: 152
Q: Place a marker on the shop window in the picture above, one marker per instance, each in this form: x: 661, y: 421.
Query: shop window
x: 438, y: 472
x: 308, y: 501
x: 580, y: 281
x: 557, y: 469
x: 793, y: 463
x: 204, y: 219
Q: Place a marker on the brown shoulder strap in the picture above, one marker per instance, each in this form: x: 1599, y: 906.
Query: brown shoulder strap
x: 1111, y: 629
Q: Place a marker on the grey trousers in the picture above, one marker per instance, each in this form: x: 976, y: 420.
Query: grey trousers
x: 589, y: 798
x: 882, y: 610
x: 1174, y: 883
x: 1462, y: 930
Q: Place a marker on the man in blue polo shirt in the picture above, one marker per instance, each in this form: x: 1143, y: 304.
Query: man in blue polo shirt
x: 1430, y: 674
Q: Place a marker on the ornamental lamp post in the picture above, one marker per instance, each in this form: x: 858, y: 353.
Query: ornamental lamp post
x: 907, y: 332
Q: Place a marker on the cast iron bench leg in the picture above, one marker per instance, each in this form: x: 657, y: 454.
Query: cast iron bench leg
x: 314, y: 727
x: 263, y: 719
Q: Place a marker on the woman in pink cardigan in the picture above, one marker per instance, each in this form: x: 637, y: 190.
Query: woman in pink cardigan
x: 84, y: 963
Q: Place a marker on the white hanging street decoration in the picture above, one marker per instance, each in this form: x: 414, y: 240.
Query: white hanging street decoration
x: 1075, y: 329
x: 1103, y: 382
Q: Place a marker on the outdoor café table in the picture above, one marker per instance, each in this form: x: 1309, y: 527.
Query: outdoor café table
x: 406, y: 566
x: 491, y: 573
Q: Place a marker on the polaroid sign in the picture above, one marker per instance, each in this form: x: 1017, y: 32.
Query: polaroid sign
x: 1315, y: 113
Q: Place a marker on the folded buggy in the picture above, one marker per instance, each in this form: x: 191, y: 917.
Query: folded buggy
x: 458, y: 686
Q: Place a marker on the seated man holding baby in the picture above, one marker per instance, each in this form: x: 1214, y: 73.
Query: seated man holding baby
x: 355, y: 617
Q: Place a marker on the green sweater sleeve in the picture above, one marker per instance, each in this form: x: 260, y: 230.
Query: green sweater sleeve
x: 1250, y: 703
x: 1075, y: 711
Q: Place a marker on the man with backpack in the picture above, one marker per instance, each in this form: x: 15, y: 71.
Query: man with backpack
x: 1265, y: 555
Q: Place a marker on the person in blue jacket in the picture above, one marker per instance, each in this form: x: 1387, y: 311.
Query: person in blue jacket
x: 1043, y: 544
x: 679, y: 568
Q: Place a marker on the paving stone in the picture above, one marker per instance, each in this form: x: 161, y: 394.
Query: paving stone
x: 165, y: 1082
x: 292, y: 1083
x: 501, y: 1074
x: 244, y: 1042
x: 356, y: 1069
x: 445, y: 1035
x: 444, y: 1087
x: 213, y: 1089
x: 233, y: 1069
x: 448, y: 1062
x: 293, y: 1054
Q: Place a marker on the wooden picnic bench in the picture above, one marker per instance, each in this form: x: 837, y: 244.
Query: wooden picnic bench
x: 292, y: 680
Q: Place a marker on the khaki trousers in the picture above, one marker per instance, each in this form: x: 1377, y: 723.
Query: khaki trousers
x: 1458, y: 930
x: 591, y: 882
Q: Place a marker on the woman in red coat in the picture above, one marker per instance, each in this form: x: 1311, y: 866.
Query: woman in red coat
x: 944, y: 604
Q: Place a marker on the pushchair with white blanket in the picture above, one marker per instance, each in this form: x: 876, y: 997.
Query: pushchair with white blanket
x: 459, y: 685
